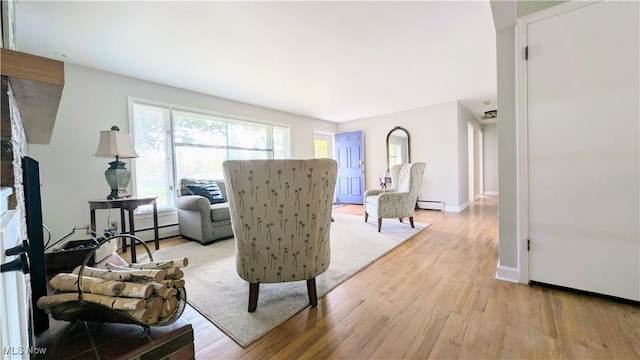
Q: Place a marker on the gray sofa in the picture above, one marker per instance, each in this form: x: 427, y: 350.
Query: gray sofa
x: 200, y: 220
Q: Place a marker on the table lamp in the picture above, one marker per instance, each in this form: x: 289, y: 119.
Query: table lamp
x: 114, y: 143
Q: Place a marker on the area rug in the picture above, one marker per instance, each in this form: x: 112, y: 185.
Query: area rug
x: 218, y: 293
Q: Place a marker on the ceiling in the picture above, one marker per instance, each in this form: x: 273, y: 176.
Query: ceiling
x: 336, y: 61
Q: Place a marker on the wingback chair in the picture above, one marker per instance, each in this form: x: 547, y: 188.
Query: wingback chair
x: 281, y: 216
x: 400, y: 200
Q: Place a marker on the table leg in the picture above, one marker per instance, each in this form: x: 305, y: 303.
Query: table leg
x: 155, y: 225
x: 124, y: 230
x: 93, y: 222
x: 132, y: 230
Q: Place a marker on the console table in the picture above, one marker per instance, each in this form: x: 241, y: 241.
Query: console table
x: 129, y: 204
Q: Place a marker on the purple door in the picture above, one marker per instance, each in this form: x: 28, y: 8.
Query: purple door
x: 349, y: 155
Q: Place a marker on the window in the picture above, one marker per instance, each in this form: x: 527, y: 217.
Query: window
x: 174, y: 143
x: 323, y: 145
x: 152, y: 172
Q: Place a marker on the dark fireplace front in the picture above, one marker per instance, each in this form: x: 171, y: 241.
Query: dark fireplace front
x: 37, y: 265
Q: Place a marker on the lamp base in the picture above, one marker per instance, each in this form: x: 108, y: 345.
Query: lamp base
x: 118, y: 194
x: 118, y: 177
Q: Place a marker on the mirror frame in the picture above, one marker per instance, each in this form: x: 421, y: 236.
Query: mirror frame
x: 408, y: 145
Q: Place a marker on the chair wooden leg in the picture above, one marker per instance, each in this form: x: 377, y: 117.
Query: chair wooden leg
x: 401, y: 219
x: 411, y: 221
x: 313, y: 295
x: 366, y: 216
x: 379, y: 224
x: 253, y: 296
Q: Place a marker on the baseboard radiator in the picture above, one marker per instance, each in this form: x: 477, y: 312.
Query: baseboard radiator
x: 431, y: 204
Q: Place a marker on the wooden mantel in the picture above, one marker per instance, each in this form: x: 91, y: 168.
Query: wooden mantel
x: 37, y: 84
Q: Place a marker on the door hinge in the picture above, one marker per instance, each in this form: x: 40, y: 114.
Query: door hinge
x: 528, y: 244
x: 526, y: 53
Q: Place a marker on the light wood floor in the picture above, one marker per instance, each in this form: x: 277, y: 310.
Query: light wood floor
x: 435, y: 297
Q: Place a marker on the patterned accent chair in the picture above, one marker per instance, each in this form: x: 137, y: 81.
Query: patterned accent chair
x: 281, y: 217
x: 400, y: 200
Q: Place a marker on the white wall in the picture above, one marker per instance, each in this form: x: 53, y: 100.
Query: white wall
x: 507, y: 155
x: 490, y: 149
x: 462, y: 129
x: 465, y: 118
x: 436, y: 139
x: 94, y: 100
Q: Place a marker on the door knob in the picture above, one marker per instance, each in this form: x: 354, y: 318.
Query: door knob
x: 19, y: 264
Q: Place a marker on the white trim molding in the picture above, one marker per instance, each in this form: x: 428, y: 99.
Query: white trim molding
x: 507, y: 273
x: 458, y: 208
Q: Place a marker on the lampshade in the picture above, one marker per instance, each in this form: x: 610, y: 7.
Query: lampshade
x: 115, y: 143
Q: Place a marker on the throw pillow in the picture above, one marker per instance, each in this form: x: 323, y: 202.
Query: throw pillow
x: 211, y: 191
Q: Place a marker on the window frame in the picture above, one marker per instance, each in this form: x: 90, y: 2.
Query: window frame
x: 170, y: 111
x: 324, y: 136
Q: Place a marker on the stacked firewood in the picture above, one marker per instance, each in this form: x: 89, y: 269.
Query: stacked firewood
x: 148, y: 292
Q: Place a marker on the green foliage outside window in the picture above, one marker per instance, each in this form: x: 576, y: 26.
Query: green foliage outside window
x: 175, y: 144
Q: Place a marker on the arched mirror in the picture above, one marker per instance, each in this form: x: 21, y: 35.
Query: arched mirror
x: 398, y: 147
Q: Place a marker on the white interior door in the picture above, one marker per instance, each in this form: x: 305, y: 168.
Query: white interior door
x: 584, y: 149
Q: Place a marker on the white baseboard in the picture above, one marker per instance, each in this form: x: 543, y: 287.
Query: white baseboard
x: 440, y: 205
x: 169, y: 232
x: 458, y: 208
x: 492, y: 193
x: 507, y: 273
